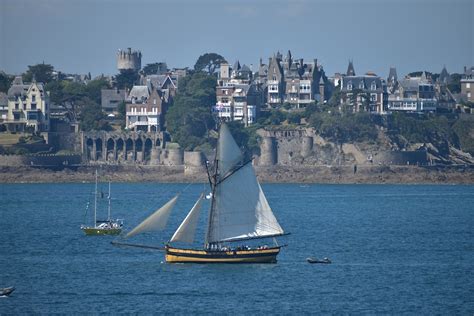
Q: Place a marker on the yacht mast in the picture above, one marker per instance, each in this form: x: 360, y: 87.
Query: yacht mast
x: 95, y: 200
x: 213, y: 182
x: 109, y: 203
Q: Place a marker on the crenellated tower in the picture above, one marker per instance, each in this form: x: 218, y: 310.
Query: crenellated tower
x: 126, y: 59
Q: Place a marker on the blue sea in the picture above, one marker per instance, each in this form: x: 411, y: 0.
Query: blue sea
x: 396, y: 249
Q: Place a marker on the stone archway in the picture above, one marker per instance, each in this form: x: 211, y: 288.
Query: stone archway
x: 89, y: 149
x: 98, y: 149
x: 148, y: 146
x: 139, y: 149
x: 110, y: 149
x: 120, y: 148
x: 128, y: 152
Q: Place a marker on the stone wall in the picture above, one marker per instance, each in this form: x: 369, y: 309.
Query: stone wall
x: 419, y: 157
x: 46, y: 161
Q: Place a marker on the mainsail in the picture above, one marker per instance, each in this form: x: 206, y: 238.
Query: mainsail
x: 157, y: 220
x: 186, y: 231
x: 240, y: 209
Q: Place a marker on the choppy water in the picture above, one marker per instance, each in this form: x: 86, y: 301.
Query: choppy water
x: 395, y: 249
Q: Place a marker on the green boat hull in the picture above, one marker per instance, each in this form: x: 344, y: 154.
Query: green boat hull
x: 95, y: 231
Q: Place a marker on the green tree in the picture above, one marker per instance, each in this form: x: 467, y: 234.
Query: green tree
x: 189, y: 119
x: 92, y: 117
x: 5, y: 82
x: 94, y: 87
x: 209, y: 62
x: 40, y: 72
x: 455, y: 85
x: 126, y: 79
x: 152, y: 69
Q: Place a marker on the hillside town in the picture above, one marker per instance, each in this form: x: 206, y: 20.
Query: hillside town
x: 49, y: 119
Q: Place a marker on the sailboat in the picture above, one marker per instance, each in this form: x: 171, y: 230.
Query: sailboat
x: 239, y: 215
x: 103, y: 227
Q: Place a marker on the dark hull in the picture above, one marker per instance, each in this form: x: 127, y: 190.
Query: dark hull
x: 179, y: 255
x: 6, y: 291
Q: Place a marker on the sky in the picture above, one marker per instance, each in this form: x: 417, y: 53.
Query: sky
x: 81, y: 36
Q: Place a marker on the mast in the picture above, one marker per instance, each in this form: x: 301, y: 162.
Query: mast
x: 213, y: 182
x: 109, y: 203
x: 95, y: 200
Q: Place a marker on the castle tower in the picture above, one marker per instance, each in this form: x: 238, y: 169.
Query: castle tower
x: 268, y: 150
x: 128, y: 60
x: 306, y: 146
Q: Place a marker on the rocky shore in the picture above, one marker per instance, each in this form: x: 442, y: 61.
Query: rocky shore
x: 316, y: 174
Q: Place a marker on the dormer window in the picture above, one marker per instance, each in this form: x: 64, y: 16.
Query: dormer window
x: 361, y: 85
x: 373, y: 86
x: 349, y: 85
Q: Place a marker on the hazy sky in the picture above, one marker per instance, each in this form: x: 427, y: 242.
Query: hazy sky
x: 84, y: 36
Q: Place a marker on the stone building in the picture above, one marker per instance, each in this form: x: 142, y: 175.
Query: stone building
x: 111, y: 98
x: 293, y: 81
x: 129, y: 60
x: 413, y: 94
x: 237, y: 98
x: 467, y: 85
x: 145, y: 109
x: 363, y: 93
x: 28, y: 107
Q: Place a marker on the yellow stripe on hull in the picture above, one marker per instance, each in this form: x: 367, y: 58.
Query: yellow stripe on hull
x: 177, y: 255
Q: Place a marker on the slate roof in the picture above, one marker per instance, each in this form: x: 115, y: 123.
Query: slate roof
x: 139, y: 93
x: 410, y: 84
x: 108, y: 95
x: 444, y: 76
x: 3, y: 99
x: 392, y: 75
x: 350, y: 69
x: 364, y: 81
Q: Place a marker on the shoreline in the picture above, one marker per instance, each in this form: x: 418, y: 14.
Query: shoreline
x: 365, y: 174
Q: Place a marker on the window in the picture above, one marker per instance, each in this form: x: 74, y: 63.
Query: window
x: 33, y: 106
x: 33, y: 98
x: 468, y: 85
x: 373, y: 86
x: 17, y: 106
x: 373, y: 97
x: 361, y: 85
x: 349, y: 85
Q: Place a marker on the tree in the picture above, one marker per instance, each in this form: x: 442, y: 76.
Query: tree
x: 94, y: 87
x: 455, y: 85
x: 126, y: 79
x: 40, y: 72
x: 189, y: 119
x: 209, y: 62
x: 5, y: 82
x: 92, y: 117
x: 154, y: 68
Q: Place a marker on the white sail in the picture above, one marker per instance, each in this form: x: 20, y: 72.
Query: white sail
x: 229, y: 153
x: 186, y: 231
x: 157, y: 220
x: 240, y: 208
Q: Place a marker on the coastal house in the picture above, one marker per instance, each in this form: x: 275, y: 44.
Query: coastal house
x: 3, y: 106
x: 413, y: 94
x: 145, y: 109
x: 111, y: 98
x: 467, y: 85
x: 363, y: 93
x: 238, y: 102
x: 28, y: 107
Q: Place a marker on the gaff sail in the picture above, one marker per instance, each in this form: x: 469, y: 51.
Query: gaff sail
x: 240, y: 209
